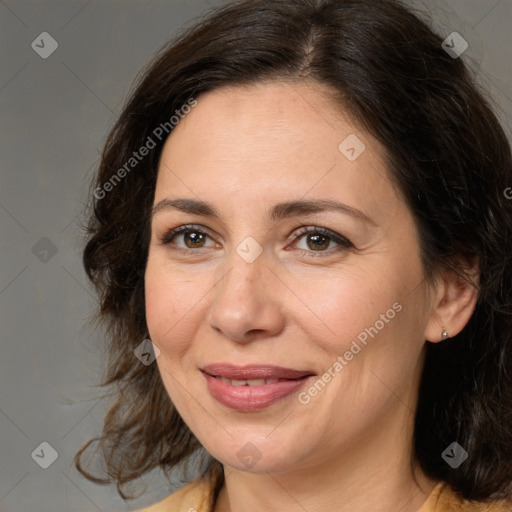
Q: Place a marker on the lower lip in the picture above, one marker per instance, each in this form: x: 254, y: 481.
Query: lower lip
x: 252, y: 398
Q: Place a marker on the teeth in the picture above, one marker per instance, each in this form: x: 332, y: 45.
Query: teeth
x: 256, y: 382
x: 248, y: 382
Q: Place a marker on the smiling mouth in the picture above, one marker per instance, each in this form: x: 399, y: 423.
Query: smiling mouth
x: 250, y: 388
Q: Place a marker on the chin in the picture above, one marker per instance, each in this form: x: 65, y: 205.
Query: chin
x: 258, y: 454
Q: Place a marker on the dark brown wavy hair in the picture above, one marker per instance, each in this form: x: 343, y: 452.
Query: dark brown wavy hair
x: 446, y: 152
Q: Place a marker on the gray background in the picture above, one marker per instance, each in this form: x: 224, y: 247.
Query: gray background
x: 55, y: 114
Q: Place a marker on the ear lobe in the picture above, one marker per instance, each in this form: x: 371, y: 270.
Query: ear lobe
x: 454, y: 303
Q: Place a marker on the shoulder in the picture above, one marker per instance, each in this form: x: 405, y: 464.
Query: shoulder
x: 191, y: 498
x: 444, y: 499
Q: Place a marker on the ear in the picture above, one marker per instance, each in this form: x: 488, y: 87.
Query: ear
x: 453, y: 303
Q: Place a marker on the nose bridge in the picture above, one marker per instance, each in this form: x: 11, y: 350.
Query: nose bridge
x: 247, y: 264
x: 242, y: 283
x: 243, y: 301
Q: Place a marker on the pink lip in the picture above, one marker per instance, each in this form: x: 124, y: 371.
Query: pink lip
x: 252, y: 398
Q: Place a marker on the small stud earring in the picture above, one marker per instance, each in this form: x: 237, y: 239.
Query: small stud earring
x: 444, y: 334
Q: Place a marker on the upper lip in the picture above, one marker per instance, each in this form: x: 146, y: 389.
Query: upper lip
x: 254, y: 371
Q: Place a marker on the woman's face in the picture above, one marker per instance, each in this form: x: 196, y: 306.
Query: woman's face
x: 323, y: 310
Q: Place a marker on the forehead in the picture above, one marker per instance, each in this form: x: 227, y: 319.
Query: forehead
x: 281, y: 118
x: 273, y: 139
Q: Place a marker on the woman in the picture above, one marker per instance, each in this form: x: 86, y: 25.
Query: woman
x: 303, y: 206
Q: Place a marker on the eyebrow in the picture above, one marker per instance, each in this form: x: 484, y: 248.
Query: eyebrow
x: 278, y: 212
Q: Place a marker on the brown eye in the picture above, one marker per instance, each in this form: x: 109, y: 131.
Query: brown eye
x: 192, y: 238
x: 319, y: 240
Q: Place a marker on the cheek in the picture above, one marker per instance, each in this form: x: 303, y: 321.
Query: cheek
x: 342, y: 306
x: 159, y: 306
x: 162, y: 308
x: 372, y: 313
x: 173, y: 305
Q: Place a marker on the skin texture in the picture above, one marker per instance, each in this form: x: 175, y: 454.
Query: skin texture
x: 243, y: 150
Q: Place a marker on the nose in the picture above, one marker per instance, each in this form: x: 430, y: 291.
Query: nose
x: 246, y: 303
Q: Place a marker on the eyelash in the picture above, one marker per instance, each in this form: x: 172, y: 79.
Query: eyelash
x: 343, y: 243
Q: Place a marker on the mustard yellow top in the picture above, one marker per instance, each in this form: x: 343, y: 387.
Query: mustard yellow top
x: 195, y: 497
